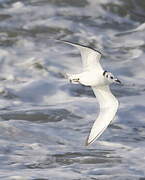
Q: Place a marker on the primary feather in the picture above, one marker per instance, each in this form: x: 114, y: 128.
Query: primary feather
x: 90, y: 57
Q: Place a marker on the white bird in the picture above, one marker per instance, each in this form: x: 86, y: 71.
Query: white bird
x: 93, y: 75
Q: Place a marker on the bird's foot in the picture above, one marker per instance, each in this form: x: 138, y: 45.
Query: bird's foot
x: 76, y: 80
x: 73, y: 78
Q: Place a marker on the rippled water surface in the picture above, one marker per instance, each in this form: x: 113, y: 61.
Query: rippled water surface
x: 44, y: 119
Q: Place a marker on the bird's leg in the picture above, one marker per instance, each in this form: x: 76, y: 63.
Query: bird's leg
x: 74, y: 80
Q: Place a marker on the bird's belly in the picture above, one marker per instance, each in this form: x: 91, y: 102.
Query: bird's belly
x: 91, y: 83
x: 91, y: 80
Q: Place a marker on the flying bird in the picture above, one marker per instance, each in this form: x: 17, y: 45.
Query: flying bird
x: 93, y: 75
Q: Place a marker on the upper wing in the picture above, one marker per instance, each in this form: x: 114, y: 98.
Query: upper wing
x: 108, y: 108
x: 90, y: 57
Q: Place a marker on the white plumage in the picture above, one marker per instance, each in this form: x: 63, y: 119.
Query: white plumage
x: 93, y: 75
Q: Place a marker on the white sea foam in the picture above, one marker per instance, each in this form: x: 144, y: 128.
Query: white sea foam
x: 43, y: 119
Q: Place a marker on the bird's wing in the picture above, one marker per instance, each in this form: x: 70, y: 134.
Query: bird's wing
x: 90, y: 57
x: 108, y: 108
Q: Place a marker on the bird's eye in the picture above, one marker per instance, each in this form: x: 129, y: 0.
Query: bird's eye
x: 111, y: 77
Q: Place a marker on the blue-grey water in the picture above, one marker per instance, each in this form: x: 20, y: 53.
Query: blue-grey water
x: 44, y: 120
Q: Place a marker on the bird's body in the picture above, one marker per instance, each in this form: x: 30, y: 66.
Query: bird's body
x: 93, y: 75
x: 88, y: 78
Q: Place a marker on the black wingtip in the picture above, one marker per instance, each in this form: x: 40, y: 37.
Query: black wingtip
x: 65, y: 41
x: 86, y: 142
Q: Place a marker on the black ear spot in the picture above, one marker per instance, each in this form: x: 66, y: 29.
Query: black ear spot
x: 107, y: 76
x: 104, y: 73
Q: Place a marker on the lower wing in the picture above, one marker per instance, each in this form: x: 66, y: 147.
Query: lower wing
x: 108, y: 108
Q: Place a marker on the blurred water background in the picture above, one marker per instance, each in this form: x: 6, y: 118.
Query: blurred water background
x: 44, y: 120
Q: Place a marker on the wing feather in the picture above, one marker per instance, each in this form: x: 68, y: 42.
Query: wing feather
x: 90, y: 57
x: 108, y: 108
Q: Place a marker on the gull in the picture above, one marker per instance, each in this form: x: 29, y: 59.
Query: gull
x: 99, y: 80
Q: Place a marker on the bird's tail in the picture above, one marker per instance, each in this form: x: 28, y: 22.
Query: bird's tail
x: 73, y: 78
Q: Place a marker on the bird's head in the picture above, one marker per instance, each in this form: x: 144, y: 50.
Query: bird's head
x: 110, y: 78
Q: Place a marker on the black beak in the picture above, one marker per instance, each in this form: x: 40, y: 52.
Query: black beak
x: 119, y: 82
